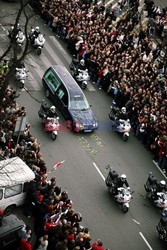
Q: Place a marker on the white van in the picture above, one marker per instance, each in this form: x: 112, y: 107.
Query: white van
x: 14, y: 174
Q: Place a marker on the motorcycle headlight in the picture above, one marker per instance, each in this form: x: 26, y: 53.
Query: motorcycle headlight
x: 95, y: 124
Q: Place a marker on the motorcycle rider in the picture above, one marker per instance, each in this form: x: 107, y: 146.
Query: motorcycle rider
x: 81, y: 65
x: 34, y: 34
x: 163, y: 220
x: 52, y: 112
x: 11, y: 31
x: 121, y: 114
x: 122, y: 181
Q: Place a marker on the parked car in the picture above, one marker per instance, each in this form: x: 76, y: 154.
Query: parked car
x: 10, y: 232
x: 15, y: 176
x: 68, y: 97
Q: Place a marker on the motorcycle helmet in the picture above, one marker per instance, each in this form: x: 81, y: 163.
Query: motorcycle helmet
x: 53, y: 109
x: 123, y: 110
x: 37, y: 29
x: 123, y: 177
x: 164, y: 212
x: 162, y: 183
x: 82, y: 62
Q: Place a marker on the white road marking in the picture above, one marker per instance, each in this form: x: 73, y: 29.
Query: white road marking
x: 52, y: 53
x: 31, y: 81
x: 99, y: 171
x: 30, y: 7
x: 145, y: 241
x: 136, y: 221
x: 90, y: 87
x: 156, y: 164
x: 35, y: 65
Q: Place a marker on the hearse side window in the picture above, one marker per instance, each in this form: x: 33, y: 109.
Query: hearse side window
x: 12, y: 191
x: 62, y: 94
x: 1, y: 194
x: 52, y: 80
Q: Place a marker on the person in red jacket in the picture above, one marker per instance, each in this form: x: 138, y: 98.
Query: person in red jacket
x: 98, y: 245
x: 26, y: 244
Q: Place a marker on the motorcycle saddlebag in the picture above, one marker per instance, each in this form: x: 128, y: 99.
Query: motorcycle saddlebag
x: 113, y: 174
x: 41, y: 113
x: 152, y: 179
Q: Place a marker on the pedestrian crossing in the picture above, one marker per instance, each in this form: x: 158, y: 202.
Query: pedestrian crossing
x: 37, y: 65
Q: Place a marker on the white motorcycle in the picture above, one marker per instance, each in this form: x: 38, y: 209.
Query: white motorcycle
x: 50, y: 124
x: 20, y: 76
x: 39, y: 43
x: 124, y: 197
x: 82, y: 78
x: 121, y: 126
x: 161, y: 201
x: 150, y: 186
x: 121, y: 195
x: 20, y: 40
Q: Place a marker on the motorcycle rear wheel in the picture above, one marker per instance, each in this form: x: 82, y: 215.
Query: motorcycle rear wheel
x: 39, y: 51
x: 83, y: 85
x: 125, y: 138
x: 54, y: 136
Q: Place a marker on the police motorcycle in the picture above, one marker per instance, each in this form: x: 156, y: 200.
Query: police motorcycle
x: 11, y: 32
x: 20, y: 38
x: 17, y: 36
x: 21, y: 75
x: 122, y: 126
x: 79, y: 72
x: 155, y: 191
x: 50, y: 119
x: 162, y: 226
x: 122, y: 195
x: 37, y: 40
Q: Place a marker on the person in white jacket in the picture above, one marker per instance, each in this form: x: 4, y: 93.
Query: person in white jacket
x: 43, y: 243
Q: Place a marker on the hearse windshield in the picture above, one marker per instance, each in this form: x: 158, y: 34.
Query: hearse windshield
x: 78, y: 102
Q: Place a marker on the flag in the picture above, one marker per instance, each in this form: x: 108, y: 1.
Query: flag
x: 58, y: 164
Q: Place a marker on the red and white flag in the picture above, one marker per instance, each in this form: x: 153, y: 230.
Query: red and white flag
x: 58, y: 164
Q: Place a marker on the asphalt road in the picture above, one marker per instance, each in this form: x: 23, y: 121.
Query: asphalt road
x: 85, y: 153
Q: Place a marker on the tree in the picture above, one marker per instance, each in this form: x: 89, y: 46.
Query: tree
x: 16, y: 59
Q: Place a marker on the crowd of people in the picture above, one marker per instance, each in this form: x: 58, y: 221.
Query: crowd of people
x: 157, y: 19
x: 120, y: 61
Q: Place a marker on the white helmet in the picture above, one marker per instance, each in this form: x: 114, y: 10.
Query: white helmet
x: 123, y: 110
x: 82, y: 62
x: 37, y: 29
x: 162, y: 183
x: 53, y: 109
x: 123, y: 177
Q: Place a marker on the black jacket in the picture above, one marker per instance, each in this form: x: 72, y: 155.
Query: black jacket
x: 120, y: 183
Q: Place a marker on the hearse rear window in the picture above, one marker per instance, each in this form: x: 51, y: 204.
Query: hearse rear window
x: 52, y: 80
